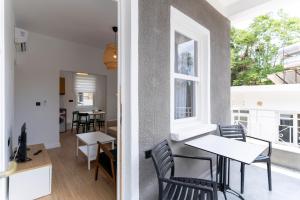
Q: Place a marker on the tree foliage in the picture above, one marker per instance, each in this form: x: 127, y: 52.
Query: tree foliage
x: 254, y: 51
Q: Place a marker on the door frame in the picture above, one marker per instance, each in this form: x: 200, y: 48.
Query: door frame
x: 128, y: 115
x: 3, y: 164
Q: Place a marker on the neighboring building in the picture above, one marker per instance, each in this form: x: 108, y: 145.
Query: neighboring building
x: 290, y: 57
x: 271, y: 112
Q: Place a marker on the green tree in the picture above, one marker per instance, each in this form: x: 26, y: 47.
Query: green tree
x: 254, y: 51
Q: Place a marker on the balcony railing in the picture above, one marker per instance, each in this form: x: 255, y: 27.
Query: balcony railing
x: 183, y: 112
x: 271, y: 125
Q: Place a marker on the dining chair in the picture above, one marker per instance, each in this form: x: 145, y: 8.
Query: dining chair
x: 74, y: 120
x: 107, y: 161
x: 237, y: 132
x: 172, y: 187
x: 83, y: 122
x: 100, y: 120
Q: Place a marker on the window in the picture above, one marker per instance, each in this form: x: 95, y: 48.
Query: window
x: 185, y: 87
x: 190, y: 71
x: 85, y: 87
x: 85, y: 99
x: 240, y: 116
x: 288, y: 130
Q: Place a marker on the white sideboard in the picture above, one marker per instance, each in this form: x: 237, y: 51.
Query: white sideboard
x: 32, y: 179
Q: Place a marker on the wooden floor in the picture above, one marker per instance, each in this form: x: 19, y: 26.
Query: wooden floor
x: 71, y: 180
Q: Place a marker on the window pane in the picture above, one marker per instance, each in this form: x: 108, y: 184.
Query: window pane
x: 184, y: 98
x: 244, y: 111
x: 286, y: 116
x: 243, y: 118
x: 286, y: 122
x: 286, y: 134
x: 85, y: 99
x: 185, y: 55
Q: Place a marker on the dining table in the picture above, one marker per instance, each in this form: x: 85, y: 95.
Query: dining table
x: 93, y: 114
x: 226, y: 150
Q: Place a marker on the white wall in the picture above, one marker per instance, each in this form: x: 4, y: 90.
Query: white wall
x: 37, y: 79
x: 6, y: 84
x: 265, y: 104
x: 99, y: 98
x: 273, y: 97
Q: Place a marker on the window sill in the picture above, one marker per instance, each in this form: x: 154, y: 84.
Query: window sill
x: 187, y: 132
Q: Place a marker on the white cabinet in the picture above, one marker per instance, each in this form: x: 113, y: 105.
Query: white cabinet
x: 31, y: 184
x: 32, y: 179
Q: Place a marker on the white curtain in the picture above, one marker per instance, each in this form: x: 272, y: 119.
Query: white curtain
x: 85, y: 83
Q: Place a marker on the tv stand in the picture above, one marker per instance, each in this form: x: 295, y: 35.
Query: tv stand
x: 32, y: 179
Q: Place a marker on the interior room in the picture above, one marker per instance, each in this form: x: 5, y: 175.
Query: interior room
x: 149, y: 99
x: 66, y: 94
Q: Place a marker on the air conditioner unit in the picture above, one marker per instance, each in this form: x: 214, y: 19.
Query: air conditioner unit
x: 21, y: 37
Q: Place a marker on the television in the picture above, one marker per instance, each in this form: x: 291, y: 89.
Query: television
x: 22, y: 145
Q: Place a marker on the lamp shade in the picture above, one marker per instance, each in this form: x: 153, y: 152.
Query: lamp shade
x: 110, y: 57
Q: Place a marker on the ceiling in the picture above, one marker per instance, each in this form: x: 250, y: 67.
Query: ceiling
x: 230, y: 8
x: 84, y: 21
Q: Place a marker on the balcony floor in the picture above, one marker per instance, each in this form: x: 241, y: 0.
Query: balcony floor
x: 285, y: 187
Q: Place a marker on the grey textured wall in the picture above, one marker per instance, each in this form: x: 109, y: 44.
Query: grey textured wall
x: 154, y: 81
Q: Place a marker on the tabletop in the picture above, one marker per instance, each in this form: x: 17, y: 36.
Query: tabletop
x: 230, y: 148
x: 95, y: 112
x: 91, y: 138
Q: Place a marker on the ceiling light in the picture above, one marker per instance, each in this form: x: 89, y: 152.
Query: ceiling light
x: 110, y: 53
x: 81, y: 73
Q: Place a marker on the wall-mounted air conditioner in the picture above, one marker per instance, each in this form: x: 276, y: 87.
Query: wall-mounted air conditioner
x: 21, y: 37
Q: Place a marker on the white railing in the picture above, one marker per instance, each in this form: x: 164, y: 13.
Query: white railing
x: 268, y: 125
x: 183, y: 112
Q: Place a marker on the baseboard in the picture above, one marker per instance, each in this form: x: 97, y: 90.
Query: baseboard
x: 52, y: 146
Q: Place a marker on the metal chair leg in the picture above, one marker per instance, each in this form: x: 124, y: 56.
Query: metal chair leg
x: 242, y: 177
x: 269, y: 175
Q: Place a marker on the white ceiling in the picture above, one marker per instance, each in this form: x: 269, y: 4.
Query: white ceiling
x: 230, y: 8
x: 82, y: 21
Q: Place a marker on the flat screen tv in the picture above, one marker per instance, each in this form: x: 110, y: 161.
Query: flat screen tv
x: 22, y: 147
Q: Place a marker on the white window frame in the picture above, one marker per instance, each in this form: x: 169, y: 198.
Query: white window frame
x: 240, y: 114
x: 185, y: 25
x: 295, y: 129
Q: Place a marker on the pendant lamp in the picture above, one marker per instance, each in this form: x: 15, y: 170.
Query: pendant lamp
x: 110, y: 57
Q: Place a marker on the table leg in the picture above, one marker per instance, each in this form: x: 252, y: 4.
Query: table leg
x: 223, y: 184
x: 77, y: 146
x: 88, y: 155
x: 112, y: 144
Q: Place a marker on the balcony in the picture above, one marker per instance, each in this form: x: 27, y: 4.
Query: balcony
x: 285, y: 183
x: 281, y: 128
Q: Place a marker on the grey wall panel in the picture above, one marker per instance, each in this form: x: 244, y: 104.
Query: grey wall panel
x: 154, y: 81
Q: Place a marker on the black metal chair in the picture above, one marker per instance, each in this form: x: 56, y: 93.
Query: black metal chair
x: 172, y: 187
x: 237, y: 132
x: 84, y: 122
x: 74, y: 119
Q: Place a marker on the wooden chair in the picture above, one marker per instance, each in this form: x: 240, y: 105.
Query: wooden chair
x: 74, y: 120
x: 237, y: 132
x: 172, y: 187
x: 107, y: 161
